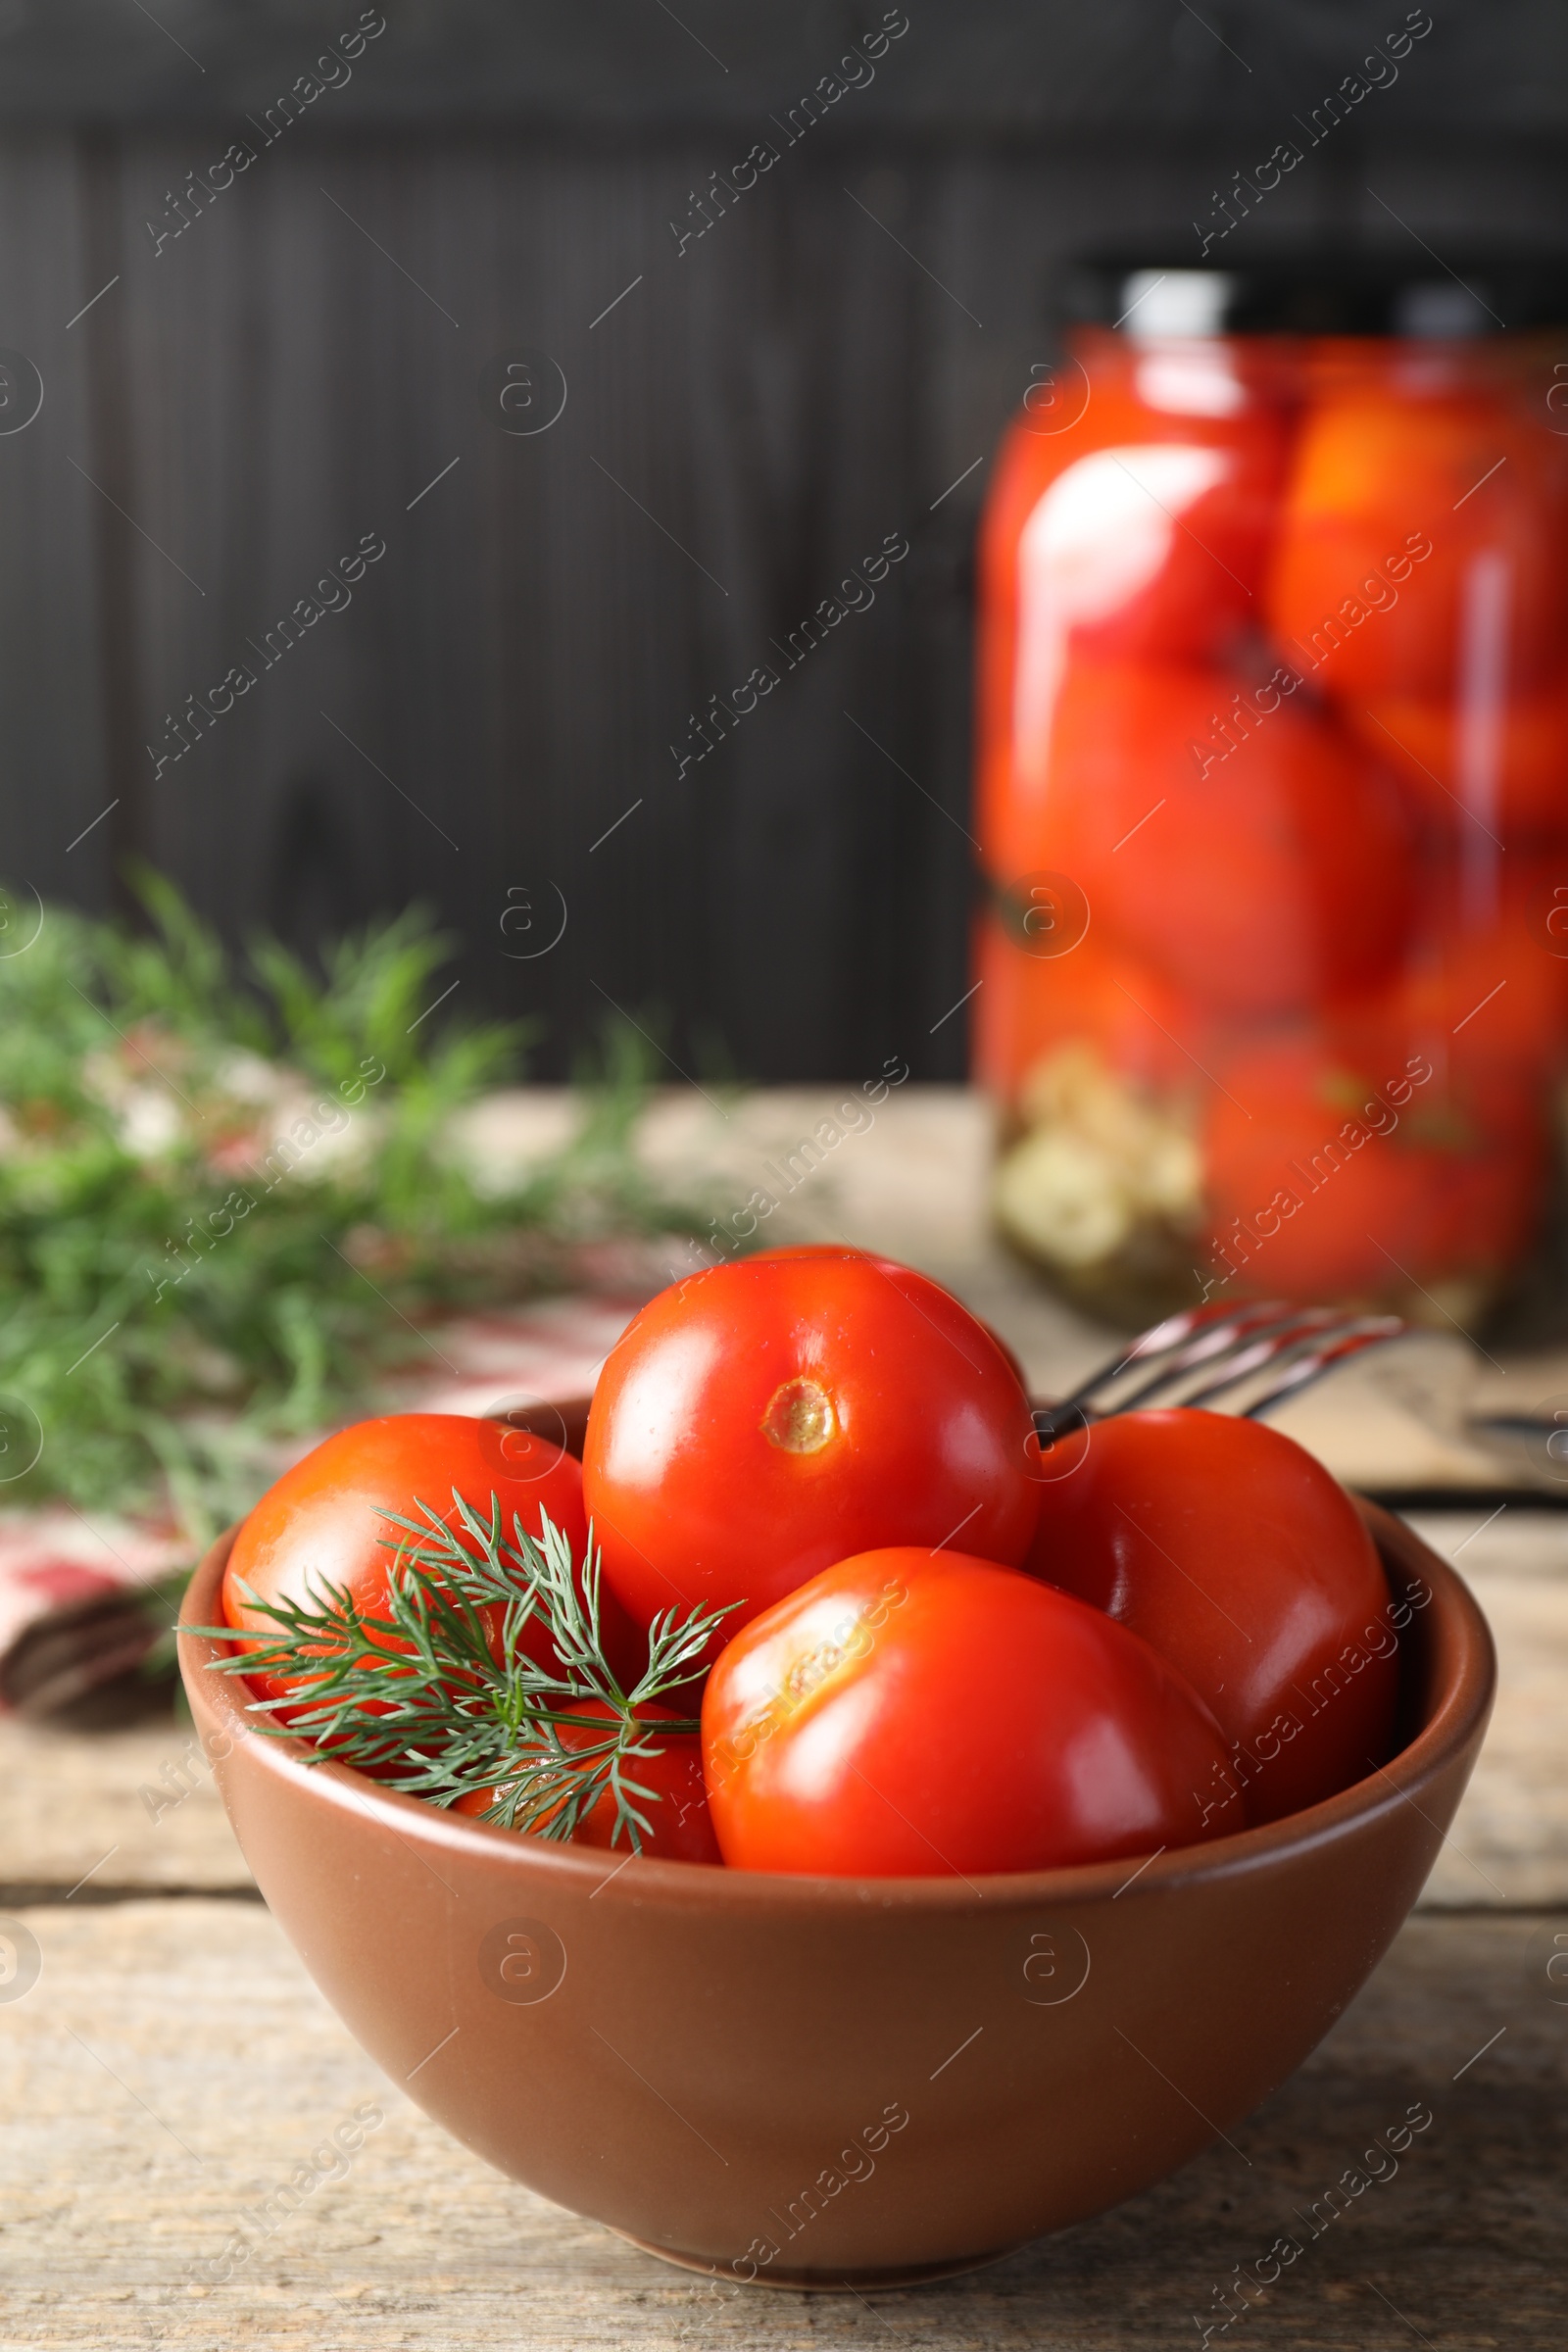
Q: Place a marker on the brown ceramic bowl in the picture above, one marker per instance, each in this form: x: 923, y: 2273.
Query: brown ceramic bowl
x: 821, y: 2082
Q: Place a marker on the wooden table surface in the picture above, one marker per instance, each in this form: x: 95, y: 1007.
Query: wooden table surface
x: 173, y: 2066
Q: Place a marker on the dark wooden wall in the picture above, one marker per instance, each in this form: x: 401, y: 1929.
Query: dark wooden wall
x: 757, y: 415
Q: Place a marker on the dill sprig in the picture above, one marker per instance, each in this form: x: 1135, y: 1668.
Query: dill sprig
x: 231, y: 1184
x: 439, y: 1698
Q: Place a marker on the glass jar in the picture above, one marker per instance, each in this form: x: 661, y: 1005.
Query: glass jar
x: 1273, y: 789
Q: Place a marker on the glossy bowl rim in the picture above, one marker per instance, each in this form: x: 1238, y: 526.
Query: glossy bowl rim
x: 1463, y: 1703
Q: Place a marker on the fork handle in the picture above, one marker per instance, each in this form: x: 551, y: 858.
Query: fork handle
x: 1055, y: 1421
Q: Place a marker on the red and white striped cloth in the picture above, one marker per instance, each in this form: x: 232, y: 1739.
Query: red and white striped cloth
x: 69, y: 1579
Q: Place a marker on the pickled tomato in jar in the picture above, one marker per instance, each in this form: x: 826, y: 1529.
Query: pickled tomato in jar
x: 1272, y: 790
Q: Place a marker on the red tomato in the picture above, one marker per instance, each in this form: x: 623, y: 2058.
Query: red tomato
x: 1483, y: 997
x: 1381, y: 475
x: 1503, y: 764
x: 1150, y: 545
x: 838, y: 1250
x: 324, y: 1521
x: 1483, y: 1214
x: 763, y: 1419
x: 681, y: 1829
x: 1322, y: 1186
x: 913, y: 1713
x: 1240, y: 1560
x: 1028, y: 1006
x: 1137, y: 533
x: 1485, y: 1009
x: 1257, y: 881
x: 889, y: 1265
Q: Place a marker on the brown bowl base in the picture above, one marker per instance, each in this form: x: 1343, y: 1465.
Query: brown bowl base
x: 807, y: 2001
x: 825, y: 2282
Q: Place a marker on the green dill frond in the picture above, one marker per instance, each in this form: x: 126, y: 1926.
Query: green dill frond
x: 439, y: 1697
x: 226, y: 1189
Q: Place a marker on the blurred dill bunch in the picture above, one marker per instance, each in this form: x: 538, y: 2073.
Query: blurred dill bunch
x: 227, y: 1192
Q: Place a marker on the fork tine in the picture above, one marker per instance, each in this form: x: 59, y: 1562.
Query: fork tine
x: 1232, y: 1342
x: 1312, y: 1366
x: 1266, y: 1347
x: 1175, y: 1332
x: 1181, y: 1326
x: 1336, y: 1336
x: 1216, y: 1345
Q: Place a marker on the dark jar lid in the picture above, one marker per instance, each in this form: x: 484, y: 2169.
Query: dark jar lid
x: 1313, y: 293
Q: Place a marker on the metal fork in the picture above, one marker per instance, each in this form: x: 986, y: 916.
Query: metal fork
x: 1207, y: 1352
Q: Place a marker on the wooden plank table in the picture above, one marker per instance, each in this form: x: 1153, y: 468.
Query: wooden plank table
x: 173, y: 2067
